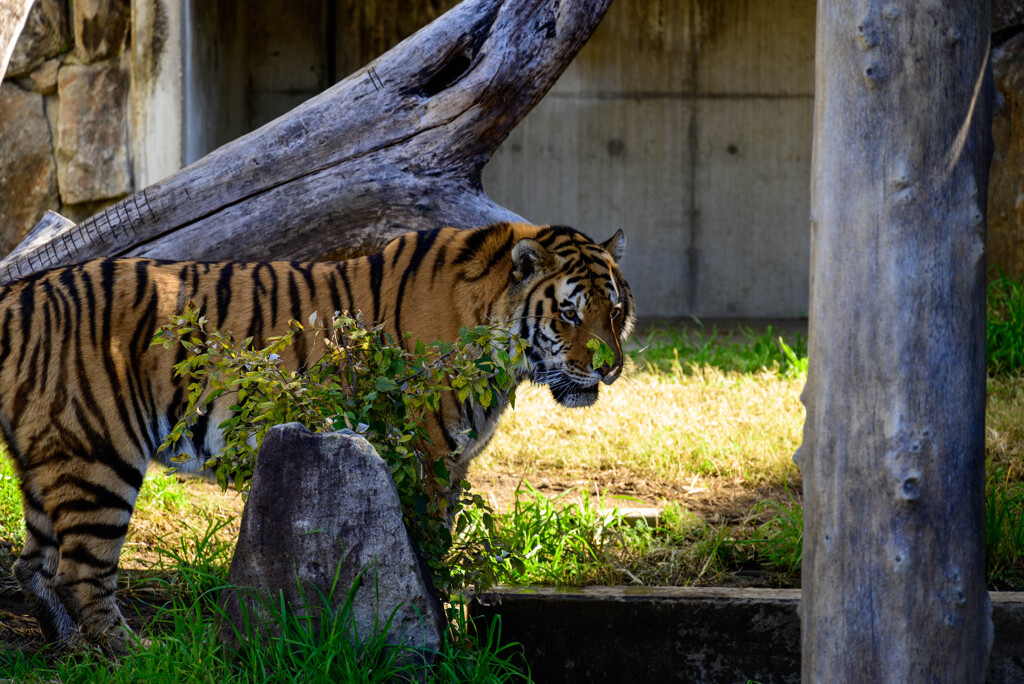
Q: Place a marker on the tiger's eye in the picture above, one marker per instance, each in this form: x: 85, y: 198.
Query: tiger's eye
x: 571, y: 316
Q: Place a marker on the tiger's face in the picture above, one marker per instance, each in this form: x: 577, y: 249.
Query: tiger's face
x: 571, y: 291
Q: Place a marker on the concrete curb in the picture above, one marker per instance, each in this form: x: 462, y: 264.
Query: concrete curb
x: 685, y: 634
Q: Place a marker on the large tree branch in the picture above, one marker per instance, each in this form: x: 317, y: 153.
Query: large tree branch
x: 398, y: 145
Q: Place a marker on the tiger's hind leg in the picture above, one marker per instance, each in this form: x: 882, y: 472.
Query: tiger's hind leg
x: 76, y: 512
x: 35, y: 570
x: 91, y: 533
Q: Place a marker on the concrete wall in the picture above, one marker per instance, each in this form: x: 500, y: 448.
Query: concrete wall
x: 687, y: 124
x: 690, y: 635
x: 249, y: 62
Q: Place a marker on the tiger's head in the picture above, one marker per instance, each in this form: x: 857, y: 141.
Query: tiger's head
x: 567, y: 290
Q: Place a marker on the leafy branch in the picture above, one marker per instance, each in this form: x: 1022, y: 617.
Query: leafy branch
x: 361, y: 379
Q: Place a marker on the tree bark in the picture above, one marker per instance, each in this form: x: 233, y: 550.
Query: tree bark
x: 13, y: 15
x: 893, y: 450
x: 397, y: 146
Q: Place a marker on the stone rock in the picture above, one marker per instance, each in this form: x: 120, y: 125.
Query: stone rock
x: 43, y: 78
x: 1005, y: 242
x: 326, y: 503
x: 92, y: 133
x: 28, y: 175
x: 45, y: 35
x: 100, y: 28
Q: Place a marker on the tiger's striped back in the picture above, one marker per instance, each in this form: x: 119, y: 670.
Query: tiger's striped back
x: 86, y: 401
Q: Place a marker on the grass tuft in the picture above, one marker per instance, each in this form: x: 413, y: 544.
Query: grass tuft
x: 183, y: 643
x: 692, y: 349
x: 561, y: 541
x: 781, y: 539
x: 1004, y: 328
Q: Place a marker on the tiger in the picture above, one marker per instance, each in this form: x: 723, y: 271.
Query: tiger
x: 87, y: 400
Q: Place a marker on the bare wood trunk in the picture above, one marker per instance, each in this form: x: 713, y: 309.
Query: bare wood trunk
x: 13, y: 14
x: 893, y: 451
x: 397, y: 146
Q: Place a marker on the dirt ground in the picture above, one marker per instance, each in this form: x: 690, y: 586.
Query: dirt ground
x: 715, y: 500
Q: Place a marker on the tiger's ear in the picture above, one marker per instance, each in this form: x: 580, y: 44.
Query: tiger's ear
x: 615, y: 245
x: 528, y: 259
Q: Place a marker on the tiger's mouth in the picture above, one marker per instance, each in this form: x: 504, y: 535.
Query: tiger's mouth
x: 566, y: 389
x: 573, y: 394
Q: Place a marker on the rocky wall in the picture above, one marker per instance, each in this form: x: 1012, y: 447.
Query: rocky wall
x: 64, y: 137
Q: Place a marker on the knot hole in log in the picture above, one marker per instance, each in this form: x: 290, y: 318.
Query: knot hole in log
x: 449, y: 73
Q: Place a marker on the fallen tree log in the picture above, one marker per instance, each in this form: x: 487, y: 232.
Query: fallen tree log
x: 398, y: 145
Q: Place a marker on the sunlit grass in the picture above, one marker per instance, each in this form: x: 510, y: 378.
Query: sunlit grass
x: 12, y: 524
x: 170, y: 506
x: 167, y: 508
x: 1004, y: 425
x: 672, y: 421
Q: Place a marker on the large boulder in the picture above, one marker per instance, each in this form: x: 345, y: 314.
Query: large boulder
x: 101, y: 28
x: 321, y: 504
x: 92, y: 133
x: 28, y: 175
x: 45, y: 35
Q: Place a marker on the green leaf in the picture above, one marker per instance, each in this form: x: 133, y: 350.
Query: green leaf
x: 386, y: 385
x: 603, y: 355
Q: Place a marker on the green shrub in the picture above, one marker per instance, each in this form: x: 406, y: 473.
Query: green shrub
x: 363, y: 381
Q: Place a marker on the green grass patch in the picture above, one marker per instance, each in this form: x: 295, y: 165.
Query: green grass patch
x: 12, y: 524
x: 583, y: 542
x: 1004, y: 328
x: 691, y: 349
x: 184, y: 646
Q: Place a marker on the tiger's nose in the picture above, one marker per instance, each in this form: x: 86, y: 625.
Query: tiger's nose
x: 609, y: 372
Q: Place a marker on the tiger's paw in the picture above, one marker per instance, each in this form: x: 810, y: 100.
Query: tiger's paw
x: 115, y: 641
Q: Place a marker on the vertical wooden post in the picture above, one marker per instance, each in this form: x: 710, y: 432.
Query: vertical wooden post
x: 893, y: 451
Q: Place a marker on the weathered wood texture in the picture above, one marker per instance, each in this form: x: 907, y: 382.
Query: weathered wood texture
x: 893, y: 451
x: 13, y: 14
x: 398, y: 145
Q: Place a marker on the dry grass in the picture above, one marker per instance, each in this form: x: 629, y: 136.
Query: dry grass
x: 170, y: 508
x: 1004, y: 426
x: 699, y: 432
x: 699, y: 428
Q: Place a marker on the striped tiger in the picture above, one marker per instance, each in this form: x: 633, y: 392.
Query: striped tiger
x: 87, y: 400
